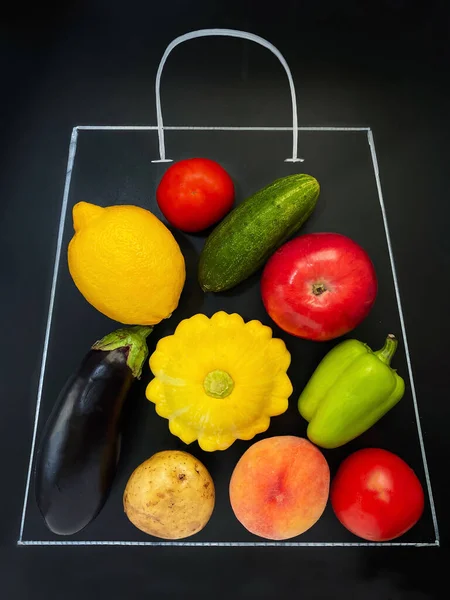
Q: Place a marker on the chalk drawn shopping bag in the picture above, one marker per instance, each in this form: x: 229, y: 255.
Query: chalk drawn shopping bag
x: 123, y: 165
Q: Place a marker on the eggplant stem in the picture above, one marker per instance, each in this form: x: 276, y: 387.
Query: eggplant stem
x: 134, y: 338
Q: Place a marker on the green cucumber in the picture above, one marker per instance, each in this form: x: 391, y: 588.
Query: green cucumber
x: 252, y: 232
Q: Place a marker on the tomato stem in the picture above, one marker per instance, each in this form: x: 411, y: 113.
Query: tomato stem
x: 318, y: 289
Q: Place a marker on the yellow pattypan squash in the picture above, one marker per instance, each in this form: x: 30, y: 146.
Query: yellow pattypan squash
x: 219, y: 379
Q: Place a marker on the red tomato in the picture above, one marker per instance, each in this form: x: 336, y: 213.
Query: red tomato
x: 376, y: 495
x: 319, y: 286
x: 195, y: 193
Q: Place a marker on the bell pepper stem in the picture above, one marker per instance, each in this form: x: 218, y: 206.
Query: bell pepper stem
x: 388, y: 350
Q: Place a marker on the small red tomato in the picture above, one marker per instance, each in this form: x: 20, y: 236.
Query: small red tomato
x: 319, y: 286
x: 195, y: 193
x: 376, y: 495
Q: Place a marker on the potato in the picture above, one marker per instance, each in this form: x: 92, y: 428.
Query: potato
x: 171, y: 495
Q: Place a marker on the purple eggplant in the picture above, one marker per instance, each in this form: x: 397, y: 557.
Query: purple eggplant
x: 78, y: 454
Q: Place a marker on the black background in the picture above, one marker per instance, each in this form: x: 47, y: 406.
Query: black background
x: 382, y: 64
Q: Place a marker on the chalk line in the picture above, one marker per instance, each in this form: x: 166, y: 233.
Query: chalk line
x: 229, y: 544
x: 224, y: 33
x: 209, y: 128
x: 62, y: 218
x: 403, y: 328
x: 70, y: 163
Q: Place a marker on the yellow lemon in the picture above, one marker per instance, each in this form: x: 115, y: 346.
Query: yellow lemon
x: 126, y: 263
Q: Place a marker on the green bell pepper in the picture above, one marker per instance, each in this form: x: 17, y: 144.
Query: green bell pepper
x: 351, y: 389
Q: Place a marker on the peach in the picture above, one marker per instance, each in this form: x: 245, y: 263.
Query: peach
x: 279, y: 487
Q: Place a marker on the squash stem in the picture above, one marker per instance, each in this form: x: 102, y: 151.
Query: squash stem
x: 218, y: 384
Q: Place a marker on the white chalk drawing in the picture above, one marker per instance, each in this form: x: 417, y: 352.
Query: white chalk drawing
x: 160, y: 130
x: 223, y: 33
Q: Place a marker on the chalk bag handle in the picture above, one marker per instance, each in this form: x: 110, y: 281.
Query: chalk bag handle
x: 225, y: 33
